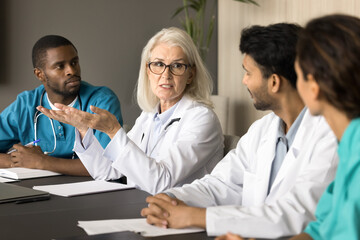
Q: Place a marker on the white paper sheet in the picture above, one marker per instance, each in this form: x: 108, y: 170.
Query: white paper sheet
x: 138, y: 225
x: 7, y: 180
x: 82, y: 188
x: 25, y: 173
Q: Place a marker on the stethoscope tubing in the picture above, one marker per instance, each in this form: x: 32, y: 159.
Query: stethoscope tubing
x: 161, y: 134
x: 35, y: 120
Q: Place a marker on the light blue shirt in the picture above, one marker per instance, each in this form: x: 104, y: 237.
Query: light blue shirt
x: 159, y: 121
x: 17, y: 120
x: 283, y: 144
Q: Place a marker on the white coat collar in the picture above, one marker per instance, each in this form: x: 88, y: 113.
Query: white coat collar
x: 266, y: 153
x: 265, y: 156
x: 302, y: 138
x: 184, y: 104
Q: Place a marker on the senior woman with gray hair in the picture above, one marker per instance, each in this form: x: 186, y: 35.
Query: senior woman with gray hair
x: 176, y: 139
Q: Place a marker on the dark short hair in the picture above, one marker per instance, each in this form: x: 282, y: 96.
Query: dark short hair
x: 273, y: 48
x: 329, y: 49
x: 45, y: 43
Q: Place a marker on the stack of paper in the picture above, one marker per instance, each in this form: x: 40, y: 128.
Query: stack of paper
x: 25, y: 173
x: 82, y: 188
x: 138, y: 225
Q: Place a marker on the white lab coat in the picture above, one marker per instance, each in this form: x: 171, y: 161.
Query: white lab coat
x: 188, y: 149
x: 239, y: 183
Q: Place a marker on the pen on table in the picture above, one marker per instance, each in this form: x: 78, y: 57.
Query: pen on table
x: 26, y: 145
x: 139, y: 232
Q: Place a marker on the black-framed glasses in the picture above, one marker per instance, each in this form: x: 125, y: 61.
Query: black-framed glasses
x: 177, y: 69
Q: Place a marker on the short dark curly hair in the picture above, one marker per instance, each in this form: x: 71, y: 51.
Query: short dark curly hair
x: 43, y: 44
x: 273, y: 48
x: 329, y: 49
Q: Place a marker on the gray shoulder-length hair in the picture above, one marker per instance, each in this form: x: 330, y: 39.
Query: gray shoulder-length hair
x: 200, y: 87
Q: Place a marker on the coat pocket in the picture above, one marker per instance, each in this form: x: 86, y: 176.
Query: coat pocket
x: 255, y: 189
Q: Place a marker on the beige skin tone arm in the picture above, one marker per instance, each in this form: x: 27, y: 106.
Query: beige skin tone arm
x: 164, y: 211
x: 231, y: 236
x: 33, y: 157
x: 302, y: 236
x: 5, y: 160
x: 102, y: 120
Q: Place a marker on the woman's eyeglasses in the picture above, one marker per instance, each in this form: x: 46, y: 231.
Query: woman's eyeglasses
x: 177, y: 69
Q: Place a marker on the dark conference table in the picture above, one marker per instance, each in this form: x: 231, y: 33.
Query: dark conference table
x: 57, y: 217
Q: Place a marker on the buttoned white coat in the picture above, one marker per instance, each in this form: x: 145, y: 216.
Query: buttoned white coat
x: 189, y: 147
x: 239, y: 183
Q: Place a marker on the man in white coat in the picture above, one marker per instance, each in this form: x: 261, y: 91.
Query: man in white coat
x: 269, y: 185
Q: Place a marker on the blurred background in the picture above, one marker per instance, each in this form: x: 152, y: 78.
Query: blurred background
x: 110, y: 35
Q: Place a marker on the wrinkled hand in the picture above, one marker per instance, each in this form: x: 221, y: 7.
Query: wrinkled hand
x: 231, y: 236
x: 27, y: 157
x: 102, y: 120
x: 164, y: 211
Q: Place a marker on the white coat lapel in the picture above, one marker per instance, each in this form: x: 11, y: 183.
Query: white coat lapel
x: 290, y: 164
x: 146, y: 131
x: 183, y: 105
x: 256, y: 185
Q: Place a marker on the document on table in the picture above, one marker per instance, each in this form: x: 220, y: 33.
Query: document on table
x: 7, y: 180
x: 25, y: 173
x: 138, y: 225
x: 82, y: 188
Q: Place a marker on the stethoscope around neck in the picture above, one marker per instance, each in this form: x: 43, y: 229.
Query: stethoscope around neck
x: 38, y: 114
x: 149, y: 152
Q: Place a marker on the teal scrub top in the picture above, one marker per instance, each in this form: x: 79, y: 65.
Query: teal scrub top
x: 338, y: 211
x: 17, y: 120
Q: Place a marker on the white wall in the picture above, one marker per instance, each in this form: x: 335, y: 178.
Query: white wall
x: 233, y: 17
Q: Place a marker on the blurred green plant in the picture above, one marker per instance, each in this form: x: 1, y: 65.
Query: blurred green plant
x: 195, y: 25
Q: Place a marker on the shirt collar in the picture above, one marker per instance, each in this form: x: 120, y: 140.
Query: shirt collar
x: 164, y: 116
x: 294, y: 127
x: 55, y: 108
x: 290, y: 135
